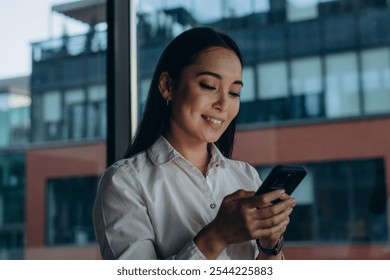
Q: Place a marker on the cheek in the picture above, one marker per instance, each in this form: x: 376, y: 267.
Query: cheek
x: 234, y: 109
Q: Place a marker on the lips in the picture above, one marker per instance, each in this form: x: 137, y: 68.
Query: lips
x: 212, y: 120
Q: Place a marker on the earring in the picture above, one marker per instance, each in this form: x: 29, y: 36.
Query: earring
x: 167, y: 102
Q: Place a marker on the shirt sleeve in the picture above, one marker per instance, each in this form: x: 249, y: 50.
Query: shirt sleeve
x: 122, y: 226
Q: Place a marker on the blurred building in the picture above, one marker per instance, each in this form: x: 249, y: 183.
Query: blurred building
x: 67, y: 152
x: 317, y: 93
x: 15, y: 131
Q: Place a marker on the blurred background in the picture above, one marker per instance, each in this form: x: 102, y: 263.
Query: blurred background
x: 317, y: 94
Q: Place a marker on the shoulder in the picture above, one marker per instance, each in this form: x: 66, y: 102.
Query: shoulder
x: 125, y: 172
x: 134, y: 165
x: 244, y: 167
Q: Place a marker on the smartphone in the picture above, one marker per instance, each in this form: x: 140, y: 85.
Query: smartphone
x: 285, y: 177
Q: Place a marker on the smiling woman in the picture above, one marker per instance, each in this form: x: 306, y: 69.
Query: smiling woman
x: 177, y: 194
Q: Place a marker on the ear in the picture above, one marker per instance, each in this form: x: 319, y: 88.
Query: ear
x: 165, y: 86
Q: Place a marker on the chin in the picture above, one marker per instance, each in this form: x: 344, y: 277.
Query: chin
x: 213, y: 139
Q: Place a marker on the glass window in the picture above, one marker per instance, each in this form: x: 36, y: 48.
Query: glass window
x: 337, y: 29
x: 52, y: 106
x: 69, y: 210
x: 313, y: 59
x: 143, y: 89
x: 73, y: 67
x: 374, y: 25
x: 376, y: 80
x: 301, y: 10
x: 248, y: 90
x: 306, y: 76
x: 52, y: 115
x: 74, y: 110
x: 313, y: 62
x: 342, y: 85
x: 14, y: 119
x: 305, y: 38
x: 60, y: 64
x: 306, y: 81
x: 96, y: 112
x: 273, y: 80
x: 12, y: 198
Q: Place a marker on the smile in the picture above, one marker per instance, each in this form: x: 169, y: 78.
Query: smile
x: 210, y: 119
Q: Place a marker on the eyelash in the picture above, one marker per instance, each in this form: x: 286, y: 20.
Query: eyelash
x: 207, y: 87
x: 235, y: 94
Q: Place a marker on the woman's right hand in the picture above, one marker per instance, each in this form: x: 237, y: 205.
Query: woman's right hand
x: 243, y: 217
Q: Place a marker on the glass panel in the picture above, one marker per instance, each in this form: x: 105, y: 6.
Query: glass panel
x: 273, y: 80
x: 248, y: 90
x: 306, y: 76
x: 306, y: 79
x: 143, y: 88
x: 376, y: 80
x: 12, y: 198
x: 74, y: 110
x: 69, y: 210
x: 342, y: 85
x: 96, y: 110
x: 52, y: 106
x: 52, y: 127
x: 52, y: 115
x: 317, y: 70
x: 14, y: 119
x: 301, y: 10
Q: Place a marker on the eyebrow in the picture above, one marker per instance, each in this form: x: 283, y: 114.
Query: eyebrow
x: 216, y: 75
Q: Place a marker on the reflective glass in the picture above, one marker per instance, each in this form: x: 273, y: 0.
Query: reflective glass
x: 56, y: 61
x: 315, y: 71
x: 376, y: 80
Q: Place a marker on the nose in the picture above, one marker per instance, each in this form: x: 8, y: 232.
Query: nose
x: 221, y: 102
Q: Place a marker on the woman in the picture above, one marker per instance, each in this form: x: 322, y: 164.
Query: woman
x: 177, y: 194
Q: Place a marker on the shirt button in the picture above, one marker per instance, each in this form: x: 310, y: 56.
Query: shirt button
x: 213, y: 205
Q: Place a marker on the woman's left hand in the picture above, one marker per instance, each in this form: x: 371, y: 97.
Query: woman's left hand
x: 269, y: 210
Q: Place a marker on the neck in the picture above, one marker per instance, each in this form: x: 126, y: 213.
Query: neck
x: 196, y: 153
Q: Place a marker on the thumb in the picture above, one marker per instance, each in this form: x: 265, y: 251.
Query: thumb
x: 240, y: 194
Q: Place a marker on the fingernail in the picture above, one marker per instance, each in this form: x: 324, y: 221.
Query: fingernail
x: 294, y: 202
x: 282, y: 191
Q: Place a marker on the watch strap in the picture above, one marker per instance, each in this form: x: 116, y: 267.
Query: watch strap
x: 275, y: 250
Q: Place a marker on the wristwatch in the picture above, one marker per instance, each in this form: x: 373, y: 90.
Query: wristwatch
x: 275, y: 250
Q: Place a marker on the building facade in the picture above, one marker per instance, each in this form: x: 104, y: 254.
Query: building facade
x: 15, y: 130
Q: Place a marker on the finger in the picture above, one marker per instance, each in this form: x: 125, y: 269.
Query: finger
x: 275, y: 219
x: 267, y: 198
x: 272, y: 232
x: 240, y: 194
x: 268, y: 210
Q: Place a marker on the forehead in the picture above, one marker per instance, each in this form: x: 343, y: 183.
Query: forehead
x: 222, y: 60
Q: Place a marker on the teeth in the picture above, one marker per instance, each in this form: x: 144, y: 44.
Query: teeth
x: 213, y: 120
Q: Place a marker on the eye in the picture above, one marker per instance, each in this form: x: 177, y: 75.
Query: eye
x: 206, y: 86
x: 235, y: 94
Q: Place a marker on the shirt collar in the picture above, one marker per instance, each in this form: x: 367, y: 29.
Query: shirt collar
x: 216, y: 156
x: 162, y: 152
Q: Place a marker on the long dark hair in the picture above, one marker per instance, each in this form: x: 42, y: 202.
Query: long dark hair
x: 180, y: 52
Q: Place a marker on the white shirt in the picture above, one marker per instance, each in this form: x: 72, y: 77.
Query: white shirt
x: 152, y: 205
